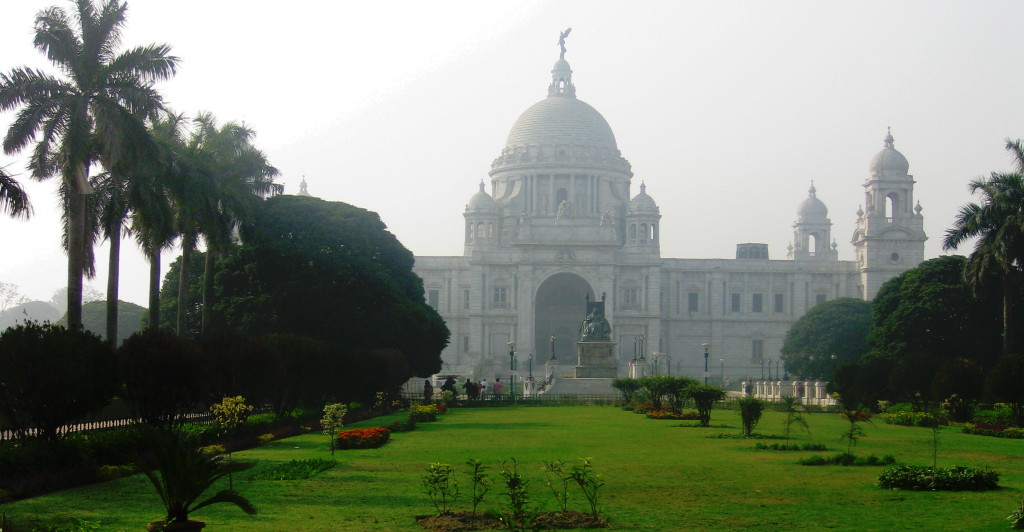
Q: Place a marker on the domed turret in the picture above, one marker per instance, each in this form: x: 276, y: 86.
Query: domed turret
x: 812, y: 230
x: 481, y: 201
x: 642, y: 218
x: 642, y: 203
x: 889, y: 160
x: 812, y: 207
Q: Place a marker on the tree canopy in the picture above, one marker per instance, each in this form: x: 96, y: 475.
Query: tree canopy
x: 331, y: 271
x: 929, y: 310
x: 836, y: 328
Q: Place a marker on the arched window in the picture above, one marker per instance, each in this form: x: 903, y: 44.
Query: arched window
x: 469, y: 232
x: 490, y: 231
x: 632, y: 233
x: 654, y: 233
x: 892, y: 205
x: 480, y: 234
x: 812, y: 243
x: 560, y: 196
x: 642, y: 233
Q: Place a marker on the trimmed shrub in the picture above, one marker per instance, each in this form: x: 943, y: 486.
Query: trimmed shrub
x: 925, y: 478
x: 847, y: 459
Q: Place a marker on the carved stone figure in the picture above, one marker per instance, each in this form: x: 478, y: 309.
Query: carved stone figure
x: 564, y: 210
x: 561, y: 42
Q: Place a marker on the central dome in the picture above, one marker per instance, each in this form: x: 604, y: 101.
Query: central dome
x: 561, y: 120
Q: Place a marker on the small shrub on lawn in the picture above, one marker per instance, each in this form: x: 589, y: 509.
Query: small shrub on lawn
x: 295, y: 470
x: 399, y: 425
x: 687, y: 415
x: 363, y: 438
x: 110, y: 472
x: 791, y: 447
x: 440, y: 485
x: 924, y: 478
x: 847, y: 459
x: 1016, y: 518
x: 750, y: 413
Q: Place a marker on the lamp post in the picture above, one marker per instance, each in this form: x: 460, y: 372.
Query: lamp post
x: 721, y: 374
x: 512, y: 369
x: 762, y: 369
x: 641, y: 347
x: 552, y: 347
x: 769, y: 369
x: 778, y: 364
x: 635, y: 340
x: 530, y: 364
x: 706, y: 346
x: 668, y: 365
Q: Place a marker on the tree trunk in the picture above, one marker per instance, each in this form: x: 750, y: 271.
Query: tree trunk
x: 76, y: 257
x: 1008, y: 297
x: 154, y: 290
x: 114, y: 261
x: 186, y: 252
x: 207, y: 290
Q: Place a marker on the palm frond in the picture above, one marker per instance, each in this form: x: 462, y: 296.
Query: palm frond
x: 13, y: 199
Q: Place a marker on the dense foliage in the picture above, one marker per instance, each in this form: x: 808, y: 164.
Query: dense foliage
x: 52, y: 375
x: 832, y: 333
x: 162, y: 376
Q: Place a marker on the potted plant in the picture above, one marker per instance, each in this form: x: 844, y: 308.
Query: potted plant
x: 183, y: 473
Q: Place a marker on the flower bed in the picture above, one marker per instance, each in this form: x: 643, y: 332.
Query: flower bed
x: 992, y: 429
x: 363, y: 438
x: 668, y: 414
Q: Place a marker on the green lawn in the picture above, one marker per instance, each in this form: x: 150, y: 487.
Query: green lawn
x: 661, y: 475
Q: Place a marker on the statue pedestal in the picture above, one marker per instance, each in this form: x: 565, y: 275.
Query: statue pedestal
x: 596, y: 360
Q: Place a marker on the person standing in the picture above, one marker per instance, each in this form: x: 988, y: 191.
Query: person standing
x: 483, y: 389
x: 496, y: 387
x: 428, y: 391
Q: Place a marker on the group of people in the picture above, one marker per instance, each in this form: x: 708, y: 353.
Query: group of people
x: 473, y: 390
x: 480, y: 390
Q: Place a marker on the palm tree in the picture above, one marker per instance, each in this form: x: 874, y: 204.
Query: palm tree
x: 96, y: 108
x: 153, y: 215
x: 998, y: 225
x: 13, y: 199
x: 225, y: 176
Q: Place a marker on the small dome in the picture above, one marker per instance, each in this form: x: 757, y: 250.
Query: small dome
x: 642, y: 203
x: 481, y: 201
x: 812, y: 207
x: 889, y: 160
x: 559, y: 120
x: 561, y: 66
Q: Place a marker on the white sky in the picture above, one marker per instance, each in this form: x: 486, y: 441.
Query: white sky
x: 727, y: 110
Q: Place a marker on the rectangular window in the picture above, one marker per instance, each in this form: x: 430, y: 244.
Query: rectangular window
x: 465, y: 299
x: 757, y: 303
x: 432, y: 297
x: 757, y: 350
x: 693, y: 301
x: 735, y: 302
x: 500, y: 297
x: 779, y: 306
x: 819, y: 299
x: 631, y: 299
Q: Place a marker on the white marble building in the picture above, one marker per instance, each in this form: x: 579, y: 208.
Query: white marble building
x: 558, y: 222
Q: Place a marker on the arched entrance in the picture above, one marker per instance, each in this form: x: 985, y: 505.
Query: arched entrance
x: 560, y: 307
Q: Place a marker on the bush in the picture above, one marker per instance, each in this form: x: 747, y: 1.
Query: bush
x: 847, y: 459
x: 989, y: 429
x: 51, y: 376
x: 162, y: 376
x: 925, y: 478
x: 999, y: 414
x: 425, y: 413
x: 791, y: 447
x: 750, y: 413
x: 295, y: 470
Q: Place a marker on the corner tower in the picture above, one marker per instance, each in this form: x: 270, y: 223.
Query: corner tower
x: 889, y: 238
x: 812, y: 232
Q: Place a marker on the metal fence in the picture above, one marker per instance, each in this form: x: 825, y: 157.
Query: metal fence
x: 92, y: 425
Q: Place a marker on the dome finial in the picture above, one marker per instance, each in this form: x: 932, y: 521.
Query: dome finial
x: 481, y: 185
x: 643, y: 187
x: 561, y: 75
x: 812, y: 192
x: 888, y: 137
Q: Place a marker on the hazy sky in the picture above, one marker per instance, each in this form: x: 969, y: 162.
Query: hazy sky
x: 727, y: 110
